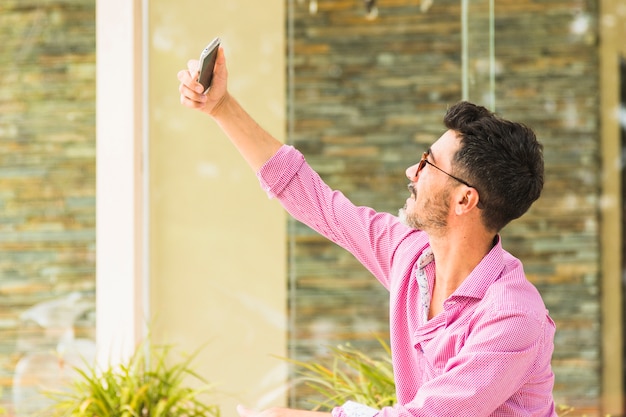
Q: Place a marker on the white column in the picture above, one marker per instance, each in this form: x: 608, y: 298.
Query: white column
x: 120, y: 287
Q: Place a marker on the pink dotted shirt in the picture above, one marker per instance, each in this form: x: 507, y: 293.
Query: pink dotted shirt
x: 486, y: 354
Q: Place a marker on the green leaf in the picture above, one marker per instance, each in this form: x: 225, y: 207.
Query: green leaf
x: 354, y: 375
x: 149, y: 384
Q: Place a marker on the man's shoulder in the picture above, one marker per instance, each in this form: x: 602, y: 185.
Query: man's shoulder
x: 513, y: 292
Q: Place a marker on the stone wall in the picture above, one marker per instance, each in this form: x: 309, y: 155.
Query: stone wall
x: 47, y: 170
x: 369, y: 96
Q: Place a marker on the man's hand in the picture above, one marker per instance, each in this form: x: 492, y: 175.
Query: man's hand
x: 279, y: 412
x: 191, y: 91
x: 255, y: 144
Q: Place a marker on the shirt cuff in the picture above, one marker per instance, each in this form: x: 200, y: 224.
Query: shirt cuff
x: 354, y: 409
x: 278, y: 171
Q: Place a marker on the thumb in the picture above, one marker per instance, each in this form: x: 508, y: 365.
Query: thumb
x: 244, y: 412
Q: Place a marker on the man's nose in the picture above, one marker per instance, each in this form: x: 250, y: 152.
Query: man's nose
x: 411, y: 172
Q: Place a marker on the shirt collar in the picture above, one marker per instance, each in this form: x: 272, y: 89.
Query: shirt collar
x: 484, y: 274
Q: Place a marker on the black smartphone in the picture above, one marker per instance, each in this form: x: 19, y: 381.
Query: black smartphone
x: 207, y: 63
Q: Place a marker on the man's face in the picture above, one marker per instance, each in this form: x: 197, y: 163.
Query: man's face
x: 428, y: 206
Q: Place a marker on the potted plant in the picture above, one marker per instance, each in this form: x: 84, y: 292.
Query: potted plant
x: 149, y: 384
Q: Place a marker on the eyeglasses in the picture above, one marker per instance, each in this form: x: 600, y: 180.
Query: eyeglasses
x: 425, y: 161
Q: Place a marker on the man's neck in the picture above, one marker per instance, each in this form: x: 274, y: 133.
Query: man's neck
x: 456, y: 256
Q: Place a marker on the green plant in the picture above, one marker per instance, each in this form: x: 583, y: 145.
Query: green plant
x: 147, y: 385
x: 358, y: 377
x: 354, y: 376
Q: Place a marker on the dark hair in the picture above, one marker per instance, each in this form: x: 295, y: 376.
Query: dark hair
x: 502, y: 159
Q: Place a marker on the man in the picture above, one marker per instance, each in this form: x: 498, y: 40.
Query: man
x: 470, y: 336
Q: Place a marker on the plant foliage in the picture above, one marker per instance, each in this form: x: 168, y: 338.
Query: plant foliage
x: 146, y: 386
x: 354, y: 376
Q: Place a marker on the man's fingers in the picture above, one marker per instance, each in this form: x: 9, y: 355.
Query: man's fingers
x: 190, y: 90
x: 192, y: 104
x: 188, y: 79
x: 244, y: 412
x: 193, y: 66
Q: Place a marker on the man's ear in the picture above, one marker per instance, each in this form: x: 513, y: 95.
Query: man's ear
x: 467, y: 200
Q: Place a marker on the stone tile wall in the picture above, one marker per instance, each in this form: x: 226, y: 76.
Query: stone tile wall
x: 47, y: 169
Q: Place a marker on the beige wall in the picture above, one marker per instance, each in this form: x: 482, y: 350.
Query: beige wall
x: 217, y: 243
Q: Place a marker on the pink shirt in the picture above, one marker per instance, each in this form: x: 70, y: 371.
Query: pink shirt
x: 487, y: 354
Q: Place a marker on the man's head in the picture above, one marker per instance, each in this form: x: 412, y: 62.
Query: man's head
x: 501, y: 159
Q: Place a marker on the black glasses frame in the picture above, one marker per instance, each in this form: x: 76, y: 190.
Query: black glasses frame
x: 422, y: 163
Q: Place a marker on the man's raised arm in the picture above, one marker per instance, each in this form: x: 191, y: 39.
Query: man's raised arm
x: 254, y: 143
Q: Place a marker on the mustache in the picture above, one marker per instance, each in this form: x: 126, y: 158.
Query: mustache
x: 411, y: 188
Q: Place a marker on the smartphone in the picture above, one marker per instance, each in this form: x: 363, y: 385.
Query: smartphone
x: 207, y: 63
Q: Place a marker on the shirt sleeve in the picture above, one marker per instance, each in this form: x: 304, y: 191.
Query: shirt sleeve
x: 354, y: 409
x: 372, y: 237
x: 507, y: 350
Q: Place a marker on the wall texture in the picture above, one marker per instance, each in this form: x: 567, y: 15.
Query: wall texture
x: 369, y: 97
x: 47, y: 168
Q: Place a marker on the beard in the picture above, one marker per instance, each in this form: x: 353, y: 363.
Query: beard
x: 431, y: 215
